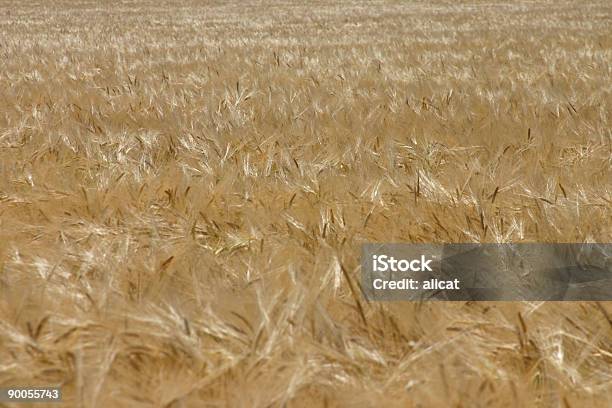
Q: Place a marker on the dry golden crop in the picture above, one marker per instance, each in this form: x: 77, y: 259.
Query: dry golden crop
x: 185, y: 186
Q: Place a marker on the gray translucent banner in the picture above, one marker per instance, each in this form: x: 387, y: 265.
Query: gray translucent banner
x: 480, y: 272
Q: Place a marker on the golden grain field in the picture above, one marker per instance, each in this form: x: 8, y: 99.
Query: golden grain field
x: 185, y: 187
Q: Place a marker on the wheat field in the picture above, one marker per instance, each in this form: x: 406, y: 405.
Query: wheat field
x: 185, y: 187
